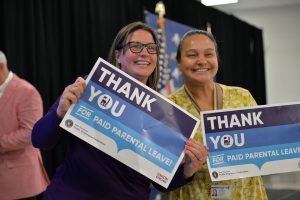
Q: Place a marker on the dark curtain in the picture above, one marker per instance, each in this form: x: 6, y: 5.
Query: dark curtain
x: 51, y: 42
x: 241, y: 54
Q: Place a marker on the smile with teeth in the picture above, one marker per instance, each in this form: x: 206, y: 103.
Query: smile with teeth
x: 198, y: 69
x: 142, y: 62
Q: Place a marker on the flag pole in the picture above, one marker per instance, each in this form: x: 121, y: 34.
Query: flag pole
x: 160, y: 10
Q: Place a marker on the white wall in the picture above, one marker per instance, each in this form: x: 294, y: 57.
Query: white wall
x: 281, y: 35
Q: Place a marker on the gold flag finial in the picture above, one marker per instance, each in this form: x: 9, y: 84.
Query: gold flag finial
x: 160, y: 9
x: 208, y: 27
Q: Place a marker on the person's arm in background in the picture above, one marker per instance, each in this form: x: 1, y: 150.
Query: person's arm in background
x: 29, y: 108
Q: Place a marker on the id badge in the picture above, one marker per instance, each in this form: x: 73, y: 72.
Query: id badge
x: 220, y: 192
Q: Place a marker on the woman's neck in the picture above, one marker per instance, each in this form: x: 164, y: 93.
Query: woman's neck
x: 201, y: 91
x: 204, y: 95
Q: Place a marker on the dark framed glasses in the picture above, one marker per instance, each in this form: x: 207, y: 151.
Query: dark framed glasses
x: 137, y: 47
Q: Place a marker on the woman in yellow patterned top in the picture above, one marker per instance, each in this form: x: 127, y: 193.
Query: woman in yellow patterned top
x: 197, y: 56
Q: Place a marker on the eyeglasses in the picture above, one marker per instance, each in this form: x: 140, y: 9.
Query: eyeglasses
x: 137, y: 47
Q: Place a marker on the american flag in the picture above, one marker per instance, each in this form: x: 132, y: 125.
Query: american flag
x: 165, y: 71
x: 169, y: 36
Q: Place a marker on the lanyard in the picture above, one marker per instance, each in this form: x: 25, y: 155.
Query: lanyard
x: 194, y: 102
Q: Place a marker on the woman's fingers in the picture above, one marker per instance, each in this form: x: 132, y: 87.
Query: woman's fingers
x: 196, y: 155
x: 198, y: 151
x: 70, y: 96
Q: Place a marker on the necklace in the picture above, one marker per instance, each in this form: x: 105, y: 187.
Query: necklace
x: 194, y: 102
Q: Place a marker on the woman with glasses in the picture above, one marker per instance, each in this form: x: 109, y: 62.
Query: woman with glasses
x: 88, y: 173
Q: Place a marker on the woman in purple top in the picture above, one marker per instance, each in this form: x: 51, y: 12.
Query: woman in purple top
x: 88, y: 173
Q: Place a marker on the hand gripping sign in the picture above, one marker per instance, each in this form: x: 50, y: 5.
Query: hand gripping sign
x: 252, y: 141
x: 131, y: 122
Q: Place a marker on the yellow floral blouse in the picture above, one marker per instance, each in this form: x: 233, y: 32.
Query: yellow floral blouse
x: 201, y: 187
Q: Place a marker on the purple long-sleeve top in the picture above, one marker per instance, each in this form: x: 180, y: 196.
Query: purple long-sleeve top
x: 88, y: 173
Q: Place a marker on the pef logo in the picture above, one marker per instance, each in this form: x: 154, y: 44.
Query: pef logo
x: 69, y: 123
x: 215, y: 174
x: 227, y: 141
x: 105, y: 101
x: 161, y: 177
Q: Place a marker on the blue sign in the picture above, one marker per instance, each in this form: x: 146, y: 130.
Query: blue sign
x: 252, y: 141
x: 131, y: 122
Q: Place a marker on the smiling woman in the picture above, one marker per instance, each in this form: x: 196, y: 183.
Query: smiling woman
x: 197, y: 57
x: 144, y: 63
x: 89, y: 173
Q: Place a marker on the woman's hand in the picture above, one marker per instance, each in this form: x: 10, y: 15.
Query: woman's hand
x: 196, y: 155
x: 70, y: 96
